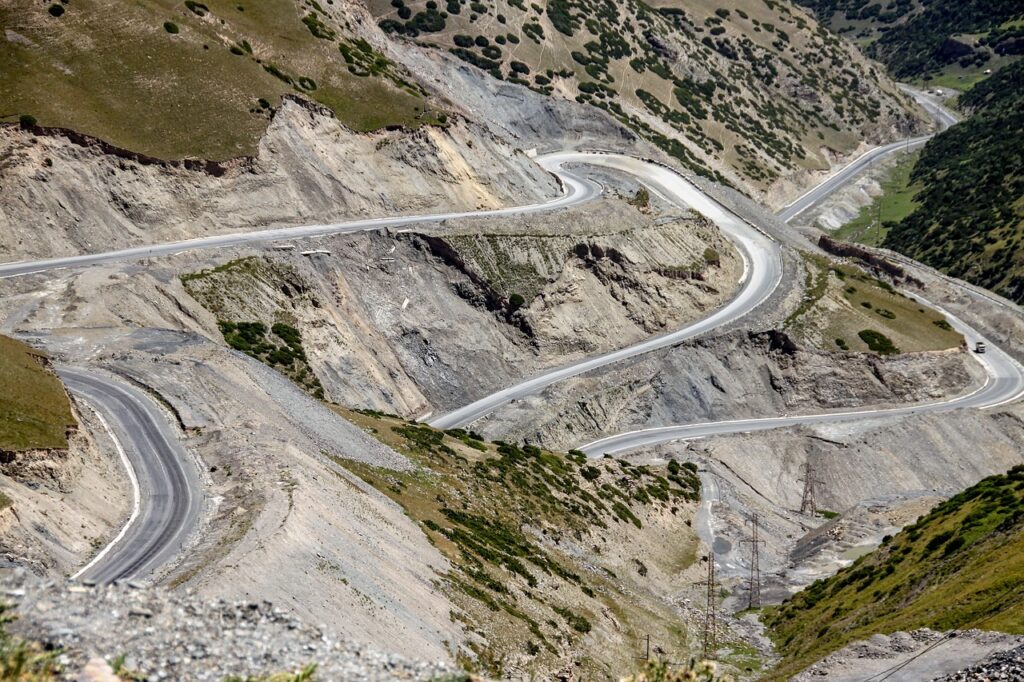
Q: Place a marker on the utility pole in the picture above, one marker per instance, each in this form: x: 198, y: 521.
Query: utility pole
x: 647, y: 650
x: 710, y: 618
x: 809, y: 505
x: 755, y: 565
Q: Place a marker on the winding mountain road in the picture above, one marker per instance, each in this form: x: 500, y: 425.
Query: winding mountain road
x: 1004, y: 384
x: 943, y: 117
x: 762, y: 272
x: 165, y: 485
x: 166, y: 482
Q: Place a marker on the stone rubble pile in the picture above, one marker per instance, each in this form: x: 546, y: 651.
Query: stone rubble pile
x: 156, y: 634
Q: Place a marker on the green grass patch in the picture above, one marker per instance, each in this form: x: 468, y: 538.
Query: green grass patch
x: 842, y: 302
x: 34, y: 409
x: 894, y: 204
x: 173, y: 80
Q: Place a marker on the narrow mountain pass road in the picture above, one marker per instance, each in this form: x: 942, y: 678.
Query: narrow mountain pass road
x: 943, y: 118
x: 762, y: 273
x: 167, y: 493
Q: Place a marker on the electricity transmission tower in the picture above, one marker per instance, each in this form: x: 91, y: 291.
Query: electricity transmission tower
x: 755, y: 565
x: 710, y: 616
x: 809, y: 504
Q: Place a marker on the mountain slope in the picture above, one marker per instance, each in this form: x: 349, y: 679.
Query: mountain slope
x: 958, y: 567
x: 175, y: 79
x: 754, y: 94
x: 970, y: 216
x: 925, y: 39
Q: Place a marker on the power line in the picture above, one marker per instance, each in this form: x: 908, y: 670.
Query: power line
x: 809, y: 503
x: 755, y: 565
x: 710, y: 615
x: 889, y: 672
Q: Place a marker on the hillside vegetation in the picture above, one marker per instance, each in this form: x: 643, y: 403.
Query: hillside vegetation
x: 846, y: 309
x: 960, y: 566
x: 748, y: 93
x: 949, y: 41
x: 177, y: 79
x: 557, y: 561
x: 969, y: 220
x: 34, y: 409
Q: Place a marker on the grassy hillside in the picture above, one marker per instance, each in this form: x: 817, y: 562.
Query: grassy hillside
x: 34, y: 409
x: 960, y: 566
x: 951, y: 42
x: 969, y: 221
x: 174, y: 79
x: 555, y: 558
x: 752, y: 90
x: 846, y: 309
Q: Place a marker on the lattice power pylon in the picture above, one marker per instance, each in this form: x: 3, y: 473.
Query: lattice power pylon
x: 755, y: 564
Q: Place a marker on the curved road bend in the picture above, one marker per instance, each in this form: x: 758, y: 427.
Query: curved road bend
x: 762, y: 272
x: 167, y: 480
x: 1004, y: 384
x: 575, y: 190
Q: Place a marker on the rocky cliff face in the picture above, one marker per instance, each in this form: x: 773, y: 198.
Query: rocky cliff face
x: 737, y: 375
x: 377, y: 312
x: 62, y: 504
x: 63, y: 197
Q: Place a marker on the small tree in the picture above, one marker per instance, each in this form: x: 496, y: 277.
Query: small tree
x: 515, y: 302
x: 170, y: 27
x: 27, y: 121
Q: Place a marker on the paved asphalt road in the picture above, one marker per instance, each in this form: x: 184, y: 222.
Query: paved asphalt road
x: 1004, y: 384
x: 166, y: 485
x: 576, y: 190
x: 1005, y: 381
x: 761, y: 275
x: 818, y: 194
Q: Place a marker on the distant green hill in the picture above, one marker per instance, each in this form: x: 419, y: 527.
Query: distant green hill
x: 970, y: 216
x: 960, y: 566
x: 916, y: 39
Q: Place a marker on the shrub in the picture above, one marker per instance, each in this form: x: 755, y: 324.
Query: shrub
x: 943, y: 325
x: 711, y: 257
x: 462, y: 40
x: 27, y: 121
x: 590, y: 473
x: 515, y: 302
x: 56, y: 10
x: 481, y: 41
x: 170, y: 27
x: 197, y: 8
x: 878, y: 342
